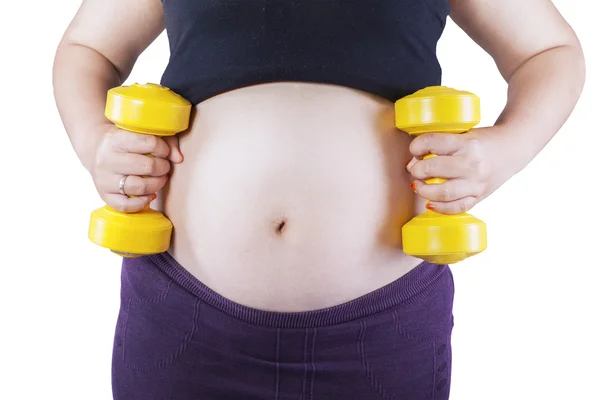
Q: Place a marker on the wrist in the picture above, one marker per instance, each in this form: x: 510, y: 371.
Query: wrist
x: 515, y: 143
x: 86, y: 141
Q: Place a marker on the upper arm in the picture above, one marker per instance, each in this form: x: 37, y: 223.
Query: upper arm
x: 513, y: 31
x: 120, y: 30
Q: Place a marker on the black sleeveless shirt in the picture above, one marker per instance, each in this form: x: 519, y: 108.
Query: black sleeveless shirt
x: 384, y: 47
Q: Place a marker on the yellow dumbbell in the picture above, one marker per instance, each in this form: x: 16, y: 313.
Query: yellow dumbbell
x: 431, y: 236
x: 153, y: 110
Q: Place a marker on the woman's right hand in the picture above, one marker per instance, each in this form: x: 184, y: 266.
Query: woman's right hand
x: 122, y: 153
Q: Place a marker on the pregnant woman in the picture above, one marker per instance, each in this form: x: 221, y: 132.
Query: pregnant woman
x: 286, y: 277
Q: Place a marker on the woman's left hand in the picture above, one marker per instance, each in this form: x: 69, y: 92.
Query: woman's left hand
x: 475, y: 164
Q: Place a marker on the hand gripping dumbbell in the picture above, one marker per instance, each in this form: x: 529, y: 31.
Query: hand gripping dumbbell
x: 153, y: 110
x: 431, y: 236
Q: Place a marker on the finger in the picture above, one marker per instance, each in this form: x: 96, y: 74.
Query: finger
x: 125, y: 204
x: 449, y: 191
x: 175, y: 154
x: 435, y: 143
x: 453, y: 207
x: 134, y: 185
x: 447, y: 167
x: 130, y: 142
x: 410, y: 164
x: 139, y: 164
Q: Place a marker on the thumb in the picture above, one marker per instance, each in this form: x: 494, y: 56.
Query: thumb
x: 410, y: 164
x: 175, y: 154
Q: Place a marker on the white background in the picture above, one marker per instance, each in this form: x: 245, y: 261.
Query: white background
x: 526, y: 310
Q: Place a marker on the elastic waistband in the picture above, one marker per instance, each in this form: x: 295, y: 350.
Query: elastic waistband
x: 419, y: 280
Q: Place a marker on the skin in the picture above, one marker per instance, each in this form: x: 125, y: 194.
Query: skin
x: 529, y: 56
x: 93, y: 57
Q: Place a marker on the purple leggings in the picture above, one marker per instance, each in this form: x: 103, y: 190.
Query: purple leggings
x: 178, y: 340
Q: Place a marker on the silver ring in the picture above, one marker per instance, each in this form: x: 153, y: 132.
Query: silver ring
x: 122, y: 185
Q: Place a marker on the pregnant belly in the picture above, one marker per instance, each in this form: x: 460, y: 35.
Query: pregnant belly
x: 292, y: 196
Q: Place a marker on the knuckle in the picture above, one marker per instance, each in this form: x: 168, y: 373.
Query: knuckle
x: 457, y: 208
x: 445, y: 194
x: 116, y: 141
x: 119, y: 133
x: 138, y: 187
x: 418, y: 142
x: 120, y: 206
x: 475, y: 158
x: 423, y: 140
x: 101, y: 162
x: 151, y: 141
x: 103, y: 197
x: 114, y: 136
x: 149, y: 166
x: 98, y: 163
x: 413, y: 146
x: 144, y: 186
x: 415, y: 171
x: 167, y: 166
x: 111, y: 133
x: 163, y: 146
x: 162, y: 183
x: 481, y: 168
x: 162, y: 167
x: 480, y: 190
x: 475, y: 165
x: 427, y: 137
x: 464, y: 206
x: 426, y: 168
x: 472, y: 143
x: 447, y: 139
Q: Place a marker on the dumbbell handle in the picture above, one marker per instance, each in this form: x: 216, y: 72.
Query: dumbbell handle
x: 433, y: 181
x: 146, y: 109
x: 432, y: 236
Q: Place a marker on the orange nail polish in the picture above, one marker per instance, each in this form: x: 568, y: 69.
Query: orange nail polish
x: 413, y: 185
x: 430, y: 206
x: 154, y: 196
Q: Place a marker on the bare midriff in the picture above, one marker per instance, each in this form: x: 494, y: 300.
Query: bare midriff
x: 292, y: 196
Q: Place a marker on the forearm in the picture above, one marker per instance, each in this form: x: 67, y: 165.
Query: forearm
x: 542, y: 94
x: 81, y: 79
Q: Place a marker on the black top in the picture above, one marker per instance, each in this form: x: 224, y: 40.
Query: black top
x: 384, y: 47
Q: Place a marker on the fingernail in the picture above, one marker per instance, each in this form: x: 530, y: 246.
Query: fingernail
x: 154, y: 196
x: 430, y: 206
x: 410, y: 163
x: 413, y: 185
